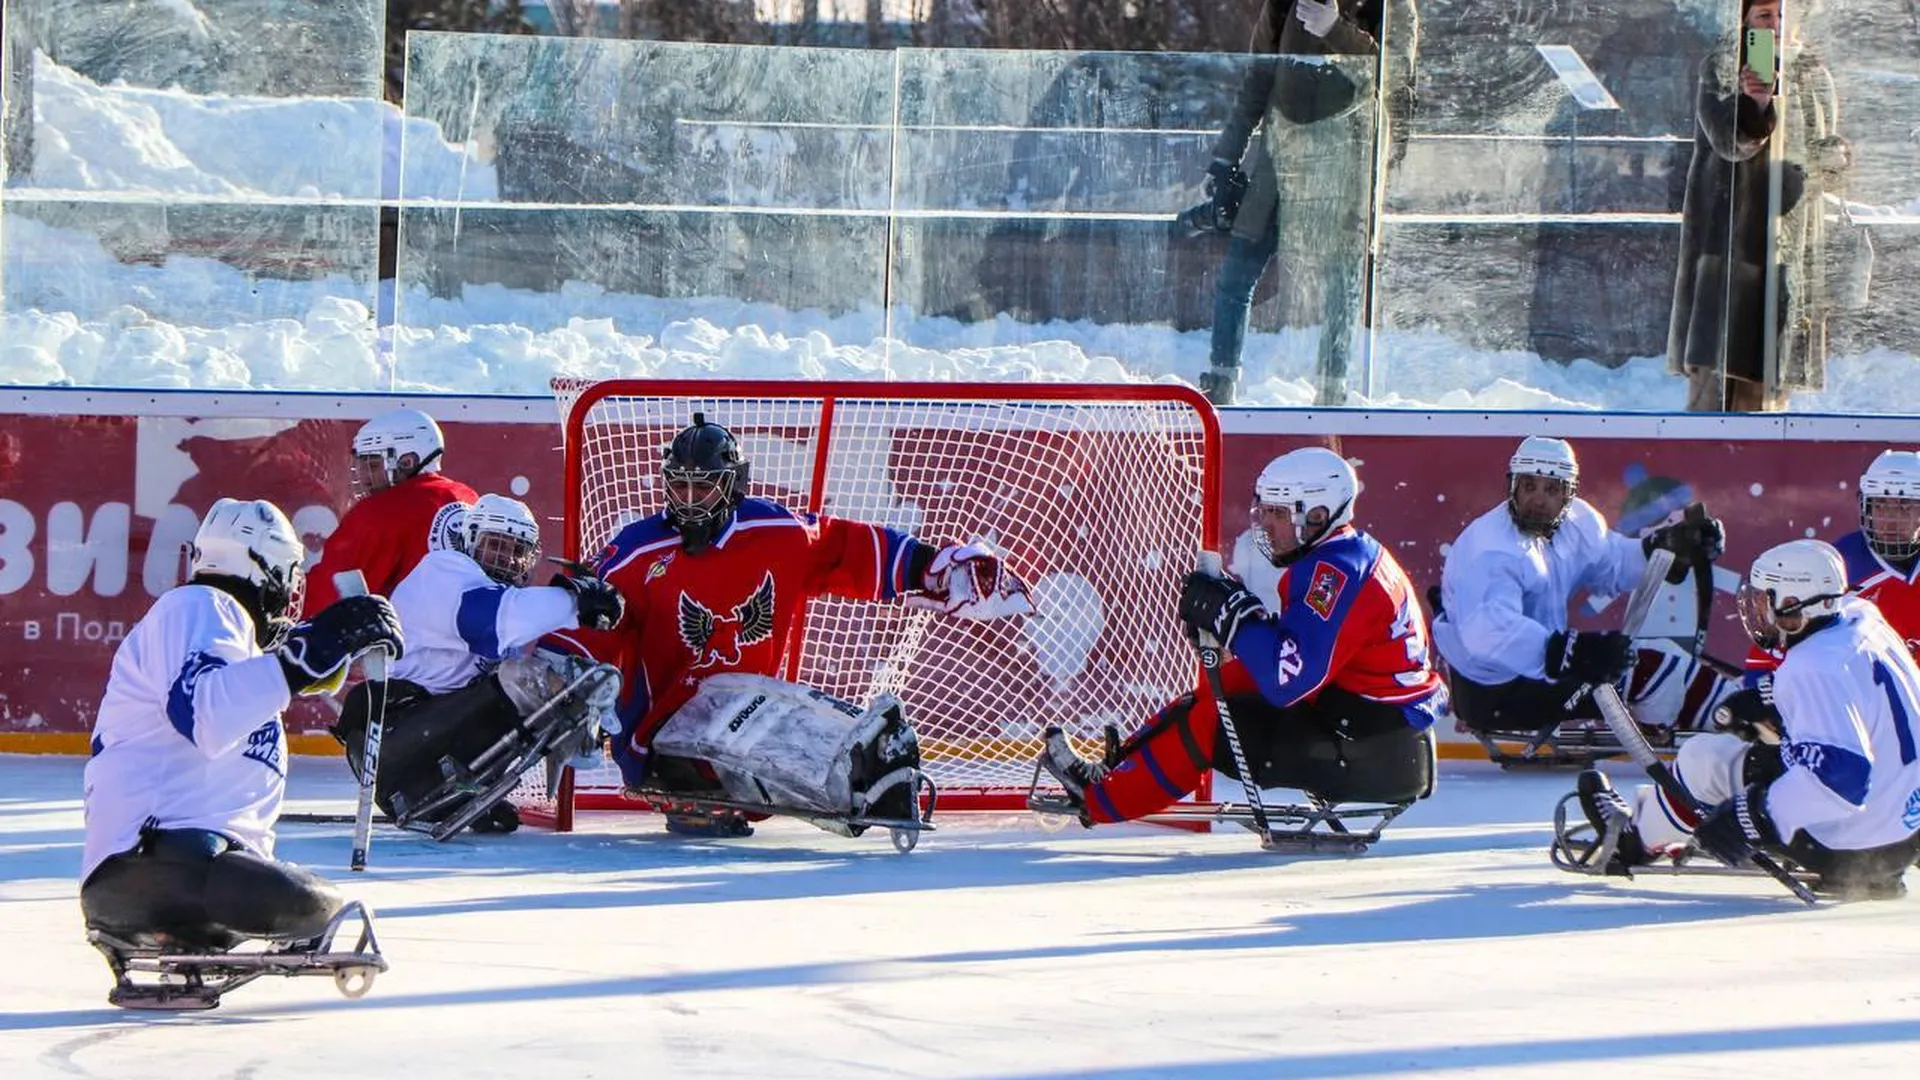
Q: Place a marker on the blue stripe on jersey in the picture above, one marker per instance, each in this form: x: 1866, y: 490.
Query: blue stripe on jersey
x: 1857, y: 557
x: 180, y: 694
x: 1840, y: 770
x: 896, y: 557
x: 479, y: 620
x: 97, y: 746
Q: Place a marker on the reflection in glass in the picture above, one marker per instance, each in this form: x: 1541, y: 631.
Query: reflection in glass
x: 176, y: 181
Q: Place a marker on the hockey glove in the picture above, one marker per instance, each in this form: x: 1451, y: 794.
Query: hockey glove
x: 599, y: 605
x: 1217, y: 606
x: 1699, y: 537
x: 1750, y: 714
x: 1589, y: 656
x: 1734, y: 830
x: 969, y: 581
x: 315, y: 655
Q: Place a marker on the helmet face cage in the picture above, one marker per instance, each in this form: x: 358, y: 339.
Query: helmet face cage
x: 1305, y: 532
x: 706, y: 478
x: 506, y: 558
x: 1534, y: 523
x: 283, y: 592
x: 1891, y: 524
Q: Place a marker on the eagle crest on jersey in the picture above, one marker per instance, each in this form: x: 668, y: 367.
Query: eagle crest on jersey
x: 716, y: 641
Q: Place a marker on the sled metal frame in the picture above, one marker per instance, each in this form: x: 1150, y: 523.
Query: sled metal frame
x: 904, y: 832
x: 198, y: 980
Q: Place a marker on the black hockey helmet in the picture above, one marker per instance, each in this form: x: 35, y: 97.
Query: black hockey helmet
x: 706, y: 477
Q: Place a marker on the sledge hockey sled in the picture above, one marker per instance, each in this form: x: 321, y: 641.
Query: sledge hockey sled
x: 1579, y: 849
x: 198, y: 980
x: 904, y: 832
x: 1576, y: 744
x: 554, y: 734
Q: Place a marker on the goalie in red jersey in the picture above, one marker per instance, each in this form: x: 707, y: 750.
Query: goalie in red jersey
x: 714, y: 587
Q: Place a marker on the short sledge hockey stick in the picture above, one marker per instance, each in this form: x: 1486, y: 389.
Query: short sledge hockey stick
x: 1621, y: 723
x: 1212, y: 656
x: 374, y: 666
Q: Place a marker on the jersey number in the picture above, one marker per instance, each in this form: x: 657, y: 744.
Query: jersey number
x: 1407, y: 628
x: 1902, y: 710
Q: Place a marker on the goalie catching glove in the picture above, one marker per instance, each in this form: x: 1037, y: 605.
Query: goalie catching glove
x: 315, y: 654
x: 969, y: 581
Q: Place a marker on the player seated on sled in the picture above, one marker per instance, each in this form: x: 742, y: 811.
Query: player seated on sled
x: 467, y: 708
x: 1332, y: 694
x: 1514, y: 666
x: 184, y: 788
x: 714, y: 584
x: 1820, y: 771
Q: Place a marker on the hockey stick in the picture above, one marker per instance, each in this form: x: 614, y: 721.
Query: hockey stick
x: 374, y: 666
x: 1639, y: 603
x: 1621, y: 723
x: 1212, y: 655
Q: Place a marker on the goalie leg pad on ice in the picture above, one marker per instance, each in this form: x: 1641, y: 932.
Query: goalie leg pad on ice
x: 776, y: 744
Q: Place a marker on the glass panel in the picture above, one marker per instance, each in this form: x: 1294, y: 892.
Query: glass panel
x: 1852, y: 243
x: 184, y: 180
x: 1527, y: 252
x: 634, y: 208
x: 1036, y: 195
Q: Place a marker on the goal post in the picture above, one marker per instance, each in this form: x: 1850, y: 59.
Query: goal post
x: 1099, y: 497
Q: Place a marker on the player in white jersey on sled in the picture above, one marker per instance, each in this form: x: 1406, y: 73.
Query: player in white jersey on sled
x: 1825, y: 777
x: 184, y: 787
x: 1516, y: 668
x: 473, y: 705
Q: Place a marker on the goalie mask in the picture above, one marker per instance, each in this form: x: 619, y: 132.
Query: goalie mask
x: 1890, y: 505
x: 1299, y: 498
x: 1790, y: 590
x: 1542, y: 478
x: 706, y: 477
x: 502, y: 536
x: 251, y: 551
x: 395, y: 446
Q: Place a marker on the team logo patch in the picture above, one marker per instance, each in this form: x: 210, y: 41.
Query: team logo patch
x: 1911, y: 819
x: 716, y: 641
x: 1324, y: 589
x: 448, y: 523
x: 263, y: 746
x: 659, y: 568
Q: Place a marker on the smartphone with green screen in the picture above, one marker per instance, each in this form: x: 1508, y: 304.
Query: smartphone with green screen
x: 1760, y: 53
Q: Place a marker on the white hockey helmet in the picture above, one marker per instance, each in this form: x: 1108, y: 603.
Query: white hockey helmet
x: 1890, y: 504
x: 502, y: 535
x: 1299, y: 482
x: 389, y: 438
x: 1540, y: 455
x: 1788, y: 585
x: 254, y: 542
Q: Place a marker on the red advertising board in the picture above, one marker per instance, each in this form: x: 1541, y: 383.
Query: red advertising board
x: 95, y: 509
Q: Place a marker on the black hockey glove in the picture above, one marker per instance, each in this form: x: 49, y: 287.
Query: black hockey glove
x: 1226, y: 186
x: 1696, y: 537
x: 1734, y: 830
x: 1745, y: 712
x: 1589, y: 656
x: 315, y: 654
x: 1217, y: 605
x: 599, y: 604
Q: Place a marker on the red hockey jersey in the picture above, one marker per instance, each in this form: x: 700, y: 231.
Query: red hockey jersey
x: 386, y: 534
x: 733, y: 607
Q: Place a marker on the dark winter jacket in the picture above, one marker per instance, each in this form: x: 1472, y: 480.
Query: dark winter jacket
x: 1358, y: 33
x: 1718, y: 315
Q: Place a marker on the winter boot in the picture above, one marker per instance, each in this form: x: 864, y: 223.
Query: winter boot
x: 1608, y: 812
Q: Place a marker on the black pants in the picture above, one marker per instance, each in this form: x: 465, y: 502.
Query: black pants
x: 1341, y: 747
x: 1869, y: 873
x: 1523, y: 705
x: 203, y: 892
x: 418, y: 729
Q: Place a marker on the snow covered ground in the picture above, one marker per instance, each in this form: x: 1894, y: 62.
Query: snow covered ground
x: 996, y: 950
x: 78, y: 315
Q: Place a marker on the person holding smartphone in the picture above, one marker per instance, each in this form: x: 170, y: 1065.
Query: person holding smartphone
x: 1766, y: 151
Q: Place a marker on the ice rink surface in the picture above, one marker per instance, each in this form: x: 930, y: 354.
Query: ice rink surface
x: 995, y: 950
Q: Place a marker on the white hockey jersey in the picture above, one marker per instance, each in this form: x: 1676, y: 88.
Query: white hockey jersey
x: 1503, y: 594
x: 188, y: 735
x: 460, y: 623
x: 1849, y: 700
